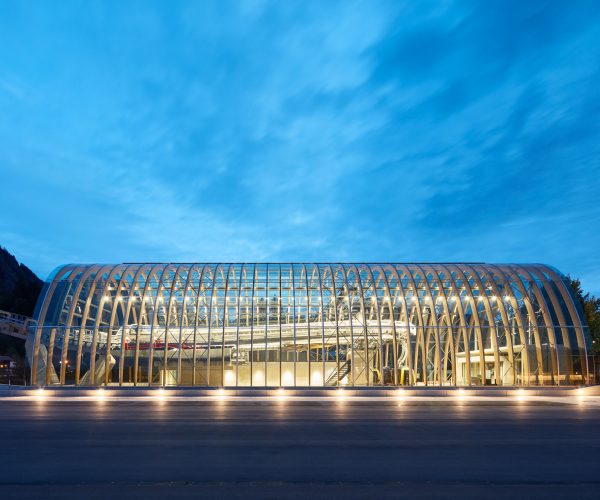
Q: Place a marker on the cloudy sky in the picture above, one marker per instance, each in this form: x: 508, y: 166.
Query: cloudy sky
x: 311, y: 131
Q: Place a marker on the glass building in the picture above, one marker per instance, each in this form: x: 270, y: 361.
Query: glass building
x: 272, y: 325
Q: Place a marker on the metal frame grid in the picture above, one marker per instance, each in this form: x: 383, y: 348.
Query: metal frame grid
x: 300, y: 324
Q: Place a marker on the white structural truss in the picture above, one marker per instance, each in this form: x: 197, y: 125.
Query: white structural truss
x: 275, y: 324
x: 15, y: 325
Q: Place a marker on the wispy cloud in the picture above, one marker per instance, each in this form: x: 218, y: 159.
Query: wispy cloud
x: 301, y: 130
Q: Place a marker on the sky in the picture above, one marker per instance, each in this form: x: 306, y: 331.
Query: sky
x: 312, y: 131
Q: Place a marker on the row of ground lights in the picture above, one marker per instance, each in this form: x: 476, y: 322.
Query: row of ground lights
x: 162, y: 394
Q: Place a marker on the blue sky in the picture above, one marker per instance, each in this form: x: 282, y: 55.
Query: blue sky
x: 310, y: 131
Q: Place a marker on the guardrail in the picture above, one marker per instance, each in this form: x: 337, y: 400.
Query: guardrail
x: 15, y: 325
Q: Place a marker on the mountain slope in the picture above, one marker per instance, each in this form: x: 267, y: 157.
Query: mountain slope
x: 19, y: 286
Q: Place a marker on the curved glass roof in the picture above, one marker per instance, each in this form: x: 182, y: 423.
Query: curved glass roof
x: 308, y: 324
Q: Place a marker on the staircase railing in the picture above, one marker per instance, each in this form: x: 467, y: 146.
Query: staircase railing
x: 338, y: 375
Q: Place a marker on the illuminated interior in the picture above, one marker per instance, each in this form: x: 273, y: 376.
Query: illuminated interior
x: 300, y: 325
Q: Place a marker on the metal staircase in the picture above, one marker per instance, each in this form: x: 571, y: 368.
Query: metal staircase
x: 339, y: 375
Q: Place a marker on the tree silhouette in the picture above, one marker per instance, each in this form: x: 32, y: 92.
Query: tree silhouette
x: 591, y: 308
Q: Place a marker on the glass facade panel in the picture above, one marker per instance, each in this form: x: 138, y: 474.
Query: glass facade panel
x: 301, y: 325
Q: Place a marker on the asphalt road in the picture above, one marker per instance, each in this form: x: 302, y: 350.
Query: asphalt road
x: 218, y: 449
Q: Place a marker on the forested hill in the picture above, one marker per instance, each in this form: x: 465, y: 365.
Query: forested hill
x: 19, y: 286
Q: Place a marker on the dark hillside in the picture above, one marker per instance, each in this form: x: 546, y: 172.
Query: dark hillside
x: 19, y: 286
